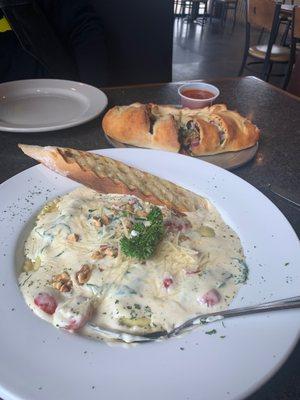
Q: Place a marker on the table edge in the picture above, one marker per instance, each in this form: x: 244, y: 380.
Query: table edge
x: 248, y: 77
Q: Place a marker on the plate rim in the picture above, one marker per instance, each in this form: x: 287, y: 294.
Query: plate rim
x: 56, y: 127
x: 119, y: 145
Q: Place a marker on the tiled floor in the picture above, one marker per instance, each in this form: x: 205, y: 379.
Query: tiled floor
x: 208, y: 52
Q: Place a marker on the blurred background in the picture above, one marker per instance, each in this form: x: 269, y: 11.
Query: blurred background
x: 114, y: 42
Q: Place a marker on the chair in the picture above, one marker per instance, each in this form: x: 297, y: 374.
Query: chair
x: 293, y: 73
x: 202, y: 15
x: 287, y: 21
x: 264, y: 14
x: 195, y: 13
x: 189, y: 10
x: 225, y: 6
x: 179, y: 8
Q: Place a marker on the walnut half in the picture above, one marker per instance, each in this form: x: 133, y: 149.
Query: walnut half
x: 83, y: 275
x: 104, y: 250
x: 73, y: 237
x: 62, y: 282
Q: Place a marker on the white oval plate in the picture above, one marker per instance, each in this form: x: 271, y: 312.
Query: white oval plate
x: 38, y: 105
x: 39, y: 362
x: 229, y: 160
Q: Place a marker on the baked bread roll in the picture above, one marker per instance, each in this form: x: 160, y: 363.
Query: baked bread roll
x: 198, y: 132
x: 217, y: 131
x: 106, y: 175
x: 138, y: 126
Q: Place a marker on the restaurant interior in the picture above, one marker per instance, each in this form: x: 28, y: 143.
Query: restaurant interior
x: 150, y: 198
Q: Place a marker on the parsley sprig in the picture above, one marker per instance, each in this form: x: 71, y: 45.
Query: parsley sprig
x: 143, y: 245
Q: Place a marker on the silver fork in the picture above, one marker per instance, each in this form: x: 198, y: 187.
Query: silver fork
x: 277, y: 305
x: 281, y: 193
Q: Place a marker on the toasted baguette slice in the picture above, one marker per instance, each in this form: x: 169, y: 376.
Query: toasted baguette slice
x: 106, y: 175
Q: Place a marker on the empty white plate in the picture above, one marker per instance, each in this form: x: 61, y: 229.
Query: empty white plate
x: 38, y: 105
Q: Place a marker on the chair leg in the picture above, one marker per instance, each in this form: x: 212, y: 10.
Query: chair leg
x: 183, y: 8
x: 234, y: 18
x: 287, y: 76
x: 223, y: 15
x: 269, y: 71
x: 211, y: 10
x: 245, y: 56
x: 266, y: 70
x: 290, y: 65
x: 246, y: 49
x: 285, y: 33
x: 273, y: 34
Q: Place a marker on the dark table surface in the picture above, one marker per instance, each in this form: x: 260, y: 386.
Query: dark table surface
x: 277, y: 162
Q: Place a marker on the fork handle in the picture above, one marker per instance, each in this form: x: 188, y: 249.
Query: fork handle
x: 292, y: 302
x: 289, y: 197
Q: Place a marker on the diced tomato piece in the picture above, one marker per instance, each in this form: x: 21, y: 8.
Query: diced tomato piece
x: 177, y: 225
x: 211, y: 298
x: 46, y: 302
x: 132, y: 201
x: 73, y: 314
x: 178, y: 213
x: 168, y: 282
x: 77, y: 323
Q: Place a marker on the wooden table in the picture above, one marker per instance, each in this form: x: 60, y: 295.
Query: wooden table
x: 277, y: 162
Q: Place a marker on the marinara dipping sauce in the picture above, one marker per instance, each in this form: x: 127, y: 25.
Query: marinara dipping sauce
x: 197, y: 94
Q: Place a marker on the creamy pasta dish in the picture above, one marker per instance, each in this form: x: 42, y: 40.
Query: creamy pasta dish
x: 117, y: 262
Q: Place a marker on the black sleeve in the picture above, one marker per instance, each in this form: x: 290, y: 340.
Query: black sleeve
x: 80, y: 29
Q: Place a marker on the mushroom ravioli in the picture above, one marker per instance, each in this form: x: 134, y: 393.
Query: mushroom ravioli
x: 78, y: 271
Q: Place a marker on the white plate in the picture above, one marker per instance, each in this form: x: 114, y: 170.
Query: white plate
x: 229, y: 160
x: 39, y: 362
x: 38, y: 105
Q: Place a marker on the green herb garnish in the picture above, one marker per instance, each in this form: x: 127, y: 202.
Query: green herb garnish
x: 142, y: 245
x: 212, y: 332
x: 243, y: 272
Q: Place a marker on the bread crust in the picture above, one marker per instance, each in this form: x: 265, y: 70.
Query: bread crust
x: 224, y: 131
x: 158, y: 111
x: 164, y: 126
x: 106, y: 175
x: 209, y: 139
x: 165, y: 134
x: 132, y: 125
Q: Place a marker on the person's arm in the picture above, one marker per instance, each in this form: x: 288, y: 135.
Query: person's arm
x: 80, y: 28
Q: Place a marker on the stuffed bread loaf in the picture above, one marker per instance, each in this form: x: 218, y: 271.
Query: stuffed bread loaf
x: 106, y: 175
x: 210, y: 130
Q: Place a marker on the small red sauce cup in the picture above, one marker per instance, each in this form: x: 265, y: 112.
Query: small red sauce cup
x: 192, y: 102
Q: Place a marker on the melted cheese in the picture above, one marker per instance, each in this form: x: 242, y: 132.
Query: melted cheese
x: 198, y: 266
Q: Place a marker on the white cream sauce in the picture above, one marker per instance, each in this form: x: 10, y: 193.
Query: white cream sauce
x: 197, y: 268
